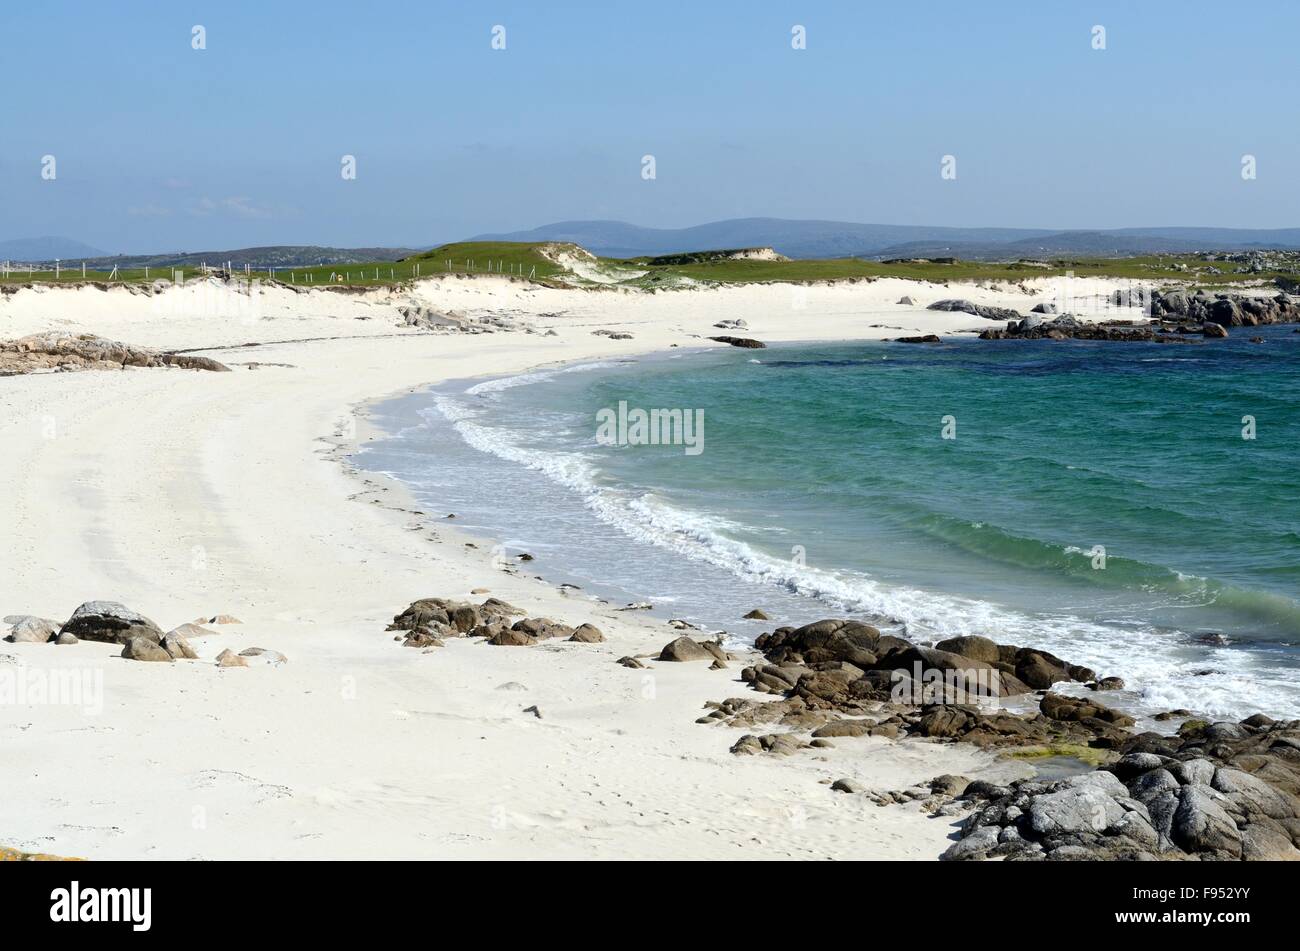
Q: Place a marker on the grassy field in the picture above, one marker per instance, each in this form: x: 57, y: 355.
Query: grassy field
x: 505, y: 258
x: 1166, y: 268
x: 527, y: 261
x: 470, y: 259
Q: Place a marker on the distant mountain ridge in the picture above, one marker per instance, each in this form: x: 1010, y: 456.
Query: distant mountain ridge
x: 793, y: 238
x: 45, y: 249
x: 837, y: 239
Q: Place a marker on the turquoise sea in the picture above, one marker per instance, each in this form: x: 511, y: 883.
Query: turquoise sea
x: 1095, y: 499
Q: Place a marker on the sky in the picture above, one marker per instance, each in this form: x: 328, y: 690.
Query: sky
x: 159, y: 146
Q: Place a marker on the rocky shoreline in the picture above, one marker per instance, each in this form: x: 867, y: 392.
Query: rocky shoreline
x: 1174, y: 317
x: 1214, y: 792
x: 1211, y: 791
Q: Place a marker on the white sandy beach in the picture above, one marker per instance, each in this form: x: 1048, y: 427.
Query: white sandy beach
x: 184, y: 494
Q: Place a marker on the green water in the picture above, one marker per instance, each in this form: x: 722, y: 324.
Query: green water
x: 1098, y: 500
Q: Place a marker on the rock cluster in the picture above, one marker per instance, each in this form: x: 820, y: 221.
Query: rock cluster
x: 425, y: 318
x: 745, y: 342
x: 1221, y: 791
x: 109, y: 622
x: 842, y: 678
x: 830, y: 658
x: 1061, y: 722
x: 430, y: 621
x: 1226, y: 310
x: 1175, y: 317
x: 55, y: 350
x: 1069, y: 327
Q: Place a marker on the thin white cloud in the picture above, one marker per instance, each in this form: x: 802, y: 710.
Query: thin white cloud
x: 237, y: 207
x: 150, y: 210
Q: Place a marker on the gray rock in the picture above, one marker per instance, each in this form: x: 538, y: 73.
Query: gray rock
x: 960, y: 305
x: 31, y: 630
x: 976, y: 845
x: 1153, y: 783
x: 111, y: 623
x: 1162, y: 808
x: 1134, y: 764
x: 1261, y: 843
x: 1202, y: 825
x: 1252, y: 795
x: 1219, y: 732
x: 1080, y: 807
x: 1193, y: 772
x: 1136, y: 827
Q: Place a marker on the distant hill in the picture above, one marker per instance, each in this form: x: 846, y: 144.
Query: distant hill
x: 796, y: 239
x: 836, y: 239
x: 1095, y: 244
x: 274, y: 256
x: 45, y: 249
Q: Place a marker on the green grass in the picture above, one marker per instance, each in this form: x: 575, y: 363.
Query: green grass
x: 496, y: 257
x: 1085, y: 754
x: 469, y: 257
x: 526, y: 260
x: 1153, y: 269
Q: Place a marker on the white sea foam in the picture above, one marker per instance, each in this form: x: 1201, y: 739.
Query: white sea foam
x: 536, y: 376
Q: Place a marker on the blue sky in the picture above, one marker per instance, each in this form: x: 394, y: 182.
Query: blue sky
x: 162, y: 147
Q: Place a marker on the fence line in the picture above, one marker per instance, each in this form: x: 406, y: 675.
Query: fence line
x: 413, y: 270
